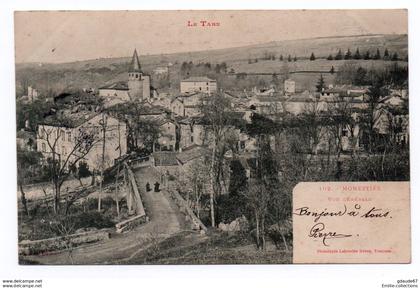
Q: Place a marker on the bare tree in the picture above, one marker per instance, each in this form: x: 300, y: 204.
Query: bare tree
x: 197, y: 182
x: 215, y: 110
x: 257, y: 198
x: 61, y: 165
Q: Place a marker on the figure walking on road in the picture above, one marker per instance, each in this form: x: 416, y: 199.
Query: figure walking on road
x: 157, y: 187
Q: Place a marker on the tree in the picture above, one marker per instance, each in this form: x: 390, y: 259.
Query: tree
x: 345, y: 74
x: 320, y: 86
x: 142, y: 134
x: 339, y: 55
x: 312, y: 58
x: 61, y: 165
x: 375, y: 92
x: 357, y: 55
x: 281, y: 57
x: 26, y: 162
x: 185, y: 68
x: 264, y: 183
x: 395, y: 57
x: 367, y: 55
x: 330, y: 57
x: 215, y: 111
x: 232, y: 205
x: 289, y: 58
x: 223, y: 67
x: 398, y: 76
x: 275, y: 79
x: 294, y: 59
x: 284, y: 71
x: 197, y: 183
x: 332, y: 70
x: 348, y: 55
x: 83, y: 171
x: 257, y: 198
x: 377, y: 56
x: 360, y: 77
x: 386, y: 54
x: 104, y: 129
x: 340, y: 119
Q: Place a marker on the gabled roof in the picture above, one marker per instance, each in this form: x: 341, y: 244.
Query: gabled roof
x: 135, y: 63
x: 121, y: 85
x: 163, y: 121
x: 66, y: 118
x: 198, y: 79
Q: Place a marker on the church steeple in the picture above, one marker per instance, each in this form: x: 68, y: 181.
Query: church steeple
x: 138, y: 82
x: 135, y: 63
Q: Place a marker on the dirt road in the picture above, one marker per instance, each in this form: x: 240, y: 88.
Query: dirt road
x: 164, y: 220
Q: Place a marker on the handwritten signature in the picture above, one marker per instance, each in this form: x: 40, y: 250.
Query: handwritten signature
x: 317, y: 231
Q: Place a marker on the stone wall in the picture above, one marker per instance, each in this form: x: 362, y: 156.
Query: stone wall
x: 187, y: 211
x: 28, y: 247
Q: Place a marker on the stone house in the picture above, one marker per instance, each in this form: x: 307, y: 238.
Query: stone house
x: 60, y: 133
x: 198, y: 84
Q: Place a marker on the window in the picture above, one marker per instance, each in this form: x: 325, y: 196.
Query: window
x: 63, y: 150
x: 43, y: 147
x: 137, y: 76
x: 192, y: 139
x: 69, y: 136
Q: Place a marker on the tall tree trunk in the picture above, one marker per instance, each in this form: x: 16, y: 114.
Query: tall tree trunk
x: 263, y: 233
x: 103, y: 163
x: 23, y: 199
x: 285, y: 242
x: 116, y: 191
x: 257, y: 229
x: 57, y: 198
x: 213, y: 186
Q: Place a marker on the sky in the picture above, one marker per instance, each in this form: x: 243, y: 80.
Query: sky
x: 55, y: 37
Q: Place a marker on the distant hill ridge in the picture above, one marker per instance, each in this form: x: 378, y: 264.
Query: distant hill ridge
x: 99, y: 72
x: 398, y: 42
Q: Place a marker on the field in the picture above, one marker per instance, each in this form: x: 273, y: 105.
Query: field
x: 55, y: 78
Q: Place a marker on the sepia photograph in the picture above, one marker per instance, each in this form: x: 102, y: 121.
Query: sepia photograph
x: 182, y: 137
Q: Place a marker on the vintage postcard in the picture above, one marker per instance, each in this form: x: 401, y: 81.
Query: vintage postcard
x: 212, y: 137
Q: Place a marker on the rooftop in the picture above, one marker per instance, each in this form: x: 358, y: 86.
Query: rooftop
x: 165, y: 158
x: 121, y: 85
x: 65, y: 118
x: 135, y: 63
x: 198, y: 79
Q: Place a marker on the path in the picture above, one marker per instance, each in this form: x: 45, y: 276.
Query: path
x: 164, y: 221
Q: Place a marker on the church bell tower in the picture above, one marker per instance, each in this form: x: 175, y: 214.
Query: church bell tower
x: 138, y: 82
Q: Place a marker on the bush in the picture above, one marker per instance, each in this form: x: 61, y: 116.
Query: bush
x: 91, y: 219
x: 53, y: 226
x: 229, y: 207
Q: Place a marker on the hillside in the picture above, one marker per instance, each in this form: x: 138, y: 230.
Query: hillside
x: 97, y: 72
